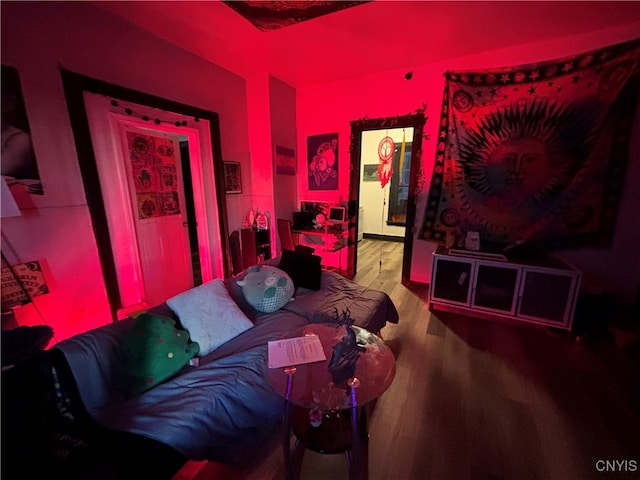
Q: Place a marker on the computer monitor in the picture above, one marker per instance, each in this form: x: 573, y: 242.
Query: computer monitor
x: 302, y: 220
x: 337, y: 214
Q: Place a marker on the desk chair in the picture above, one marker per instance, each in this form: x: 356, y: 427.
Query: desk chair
x: 286, y: 237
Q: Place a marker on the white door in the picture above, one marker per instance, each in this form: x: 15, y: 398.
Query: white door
x: 151, y: 247
x: 154, y: 177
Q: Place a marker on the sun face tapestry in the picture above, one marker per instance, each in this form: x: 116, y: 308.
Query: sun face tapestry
x: 322, y: 154
x: 534, y: 156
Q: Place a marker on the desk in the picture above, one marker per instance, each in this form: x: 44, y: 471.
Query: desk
x: 324, y: 245
x: 311, y: 396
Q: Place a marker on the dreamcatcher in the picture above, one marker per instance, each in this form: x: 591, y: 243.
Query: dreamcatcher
x: 386, y: 149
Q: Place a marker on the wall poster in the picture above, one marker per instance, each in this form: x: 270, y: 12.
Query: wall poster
x: 19, y: 167
x: 154, y: 160
x: 533, y: 156
x: 285, y: 161
x: 21, y: 283
x: 322, y: 158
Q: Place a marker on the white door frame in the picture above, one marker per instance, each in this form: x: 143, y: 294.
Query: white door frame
x: 104, y: 121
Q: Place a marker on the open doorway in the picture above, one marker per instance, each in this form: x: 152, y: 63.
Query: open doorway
x: 398, y: 169
x: 104, y: 118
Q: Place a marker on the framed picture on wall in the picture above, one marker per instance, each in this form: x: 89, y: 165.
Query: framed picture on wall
x: 285, y: 161
x: 370, y: 173
x: 232, y: 177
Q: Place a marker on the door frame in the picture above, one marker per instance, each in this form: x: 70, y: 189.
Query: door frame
x: 109, y: 124
x: 74, y: 86
x: 417, y: 121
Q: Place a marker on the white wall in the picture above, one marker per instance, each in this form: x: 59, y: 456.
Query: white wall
x: 41, y: 38
x: 372, y: 195
x: 388, y: 94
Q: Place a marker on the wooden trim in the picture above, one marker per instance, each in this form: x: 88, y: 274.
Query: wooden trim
x: 74, y: 85
x: 417, y: 121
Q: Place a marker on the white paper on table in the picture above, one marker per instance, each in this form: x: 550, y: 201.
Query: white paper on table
x: 295, y: 351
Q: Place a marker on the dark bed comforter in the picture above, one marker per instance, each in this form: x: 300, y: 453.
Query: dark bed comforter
x: 216, y: 409
x: 370, y: 309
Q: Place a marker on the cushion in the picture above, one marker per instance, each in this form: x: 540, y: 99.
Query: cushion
x: 210, y: 315
x: 304, y: 269
x: 266, y: 288
x: 155, y: 350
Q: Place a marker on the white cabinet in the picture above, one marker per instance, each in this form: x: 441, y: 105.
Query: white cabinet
x: 541, y: 290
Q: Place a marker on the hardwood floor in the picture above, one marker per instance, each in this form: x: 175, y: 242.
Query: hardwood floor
x: 476, y: 399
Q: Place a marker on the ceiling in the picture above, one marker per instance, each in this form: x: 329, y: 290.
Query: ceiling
x: 368, y: 38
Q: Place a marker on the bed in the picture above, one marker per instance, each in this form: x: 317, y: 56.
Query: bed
x: 218, y: 409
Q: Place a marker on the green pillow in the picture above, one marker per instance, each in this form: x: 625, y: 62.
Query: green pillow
x: 155, y: 351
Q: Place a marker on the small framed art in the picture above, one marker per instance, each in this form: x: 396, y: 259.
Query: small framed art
x: 370, y: 172
x: 232, y: 177
x: 285, y: 161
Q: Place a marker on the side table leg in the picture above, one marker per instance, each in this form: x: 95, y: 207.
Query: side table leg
x: 286, y: 426
x: 296, y: 463
x: 356, y: 470
x: 364, y: 443
x: 356, y: 458
x: 286, y: 440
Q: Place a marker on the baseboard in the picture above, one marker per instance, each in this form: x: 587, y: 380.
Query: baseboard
x: 387, y: 238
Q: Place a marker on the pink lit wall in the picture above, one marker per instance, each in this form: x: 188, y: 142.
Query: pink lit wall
x: 283, y: 134
x: 41, y: 38
x: 330, y: 107
x: 261, y: 152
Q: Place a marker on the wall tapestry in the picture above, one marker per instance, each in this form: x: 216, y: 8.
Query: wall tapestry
x: 19, y: 165
x: 322, y: 151
x: 153, y: 167
x: 534, y: 156
x: 268, y: 15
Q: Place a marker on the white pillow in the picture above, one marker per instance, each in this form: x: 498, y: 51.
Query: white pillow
x: 209, y: 314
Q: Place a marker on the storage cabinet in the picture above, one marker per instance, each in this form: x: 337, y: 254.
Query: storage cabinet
x: 255, y: 246
x: 496, y: 288
x: 451, y: 281
x: 542, y: 291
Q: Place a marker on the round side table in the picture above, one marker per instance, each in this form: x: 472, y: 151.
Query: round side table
x: 325, y: 415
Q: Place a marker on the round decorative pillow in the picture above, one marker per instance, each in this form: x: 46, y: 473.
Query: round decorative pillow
x: 266, y: 288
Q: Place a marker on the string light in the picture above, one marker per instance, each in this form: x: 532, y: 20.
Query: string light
x: 129, y: 111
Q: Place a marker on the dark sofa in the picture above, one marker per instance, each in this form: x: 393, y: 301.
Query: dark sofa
x: 55, y: 426
x: 48, y: 434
